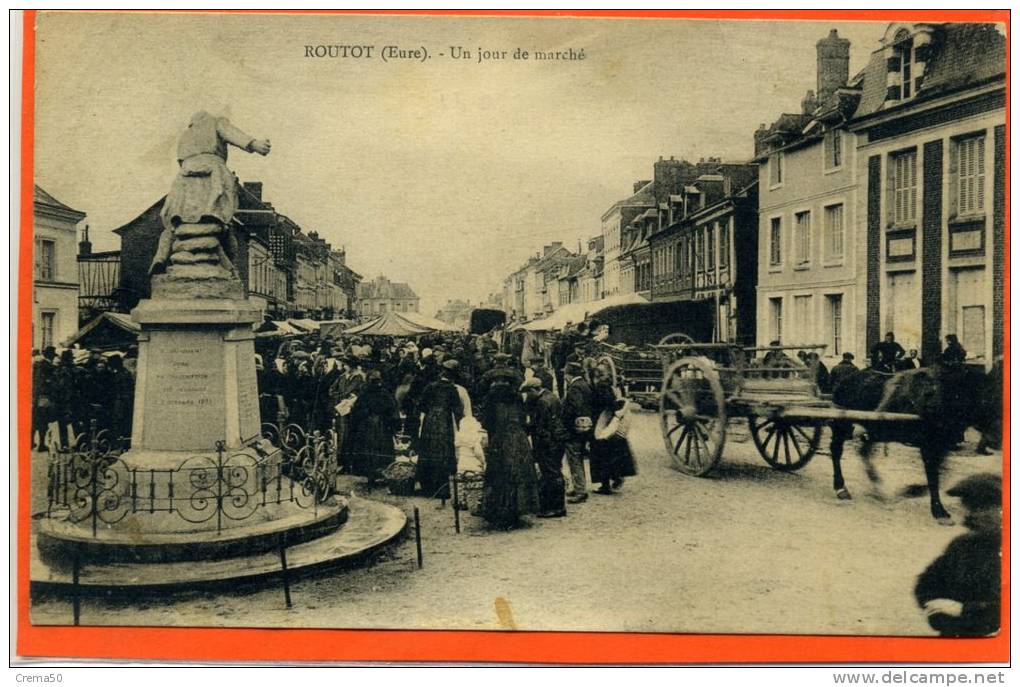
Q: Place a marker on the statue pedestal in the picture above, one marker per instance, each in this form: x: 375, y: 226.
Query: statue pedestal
x: 196, y: 380
x: 199, y: 481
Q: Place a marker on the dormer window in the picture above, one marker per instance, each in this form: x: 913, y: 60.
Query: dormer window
x: 905, y: 51
x: 776, y: 170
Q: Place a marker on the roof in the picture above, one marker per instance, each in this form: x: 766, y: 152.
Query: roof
x: 114, y: 323
x: 390, y: 324
x: 46, y: 201
x: 384, y: 288
x: 643, y: 198
x: 578, y: 312
x: 962, y: 55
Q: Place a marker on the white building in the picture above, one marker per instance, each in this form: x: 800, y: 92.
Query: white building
x: 55, y: 276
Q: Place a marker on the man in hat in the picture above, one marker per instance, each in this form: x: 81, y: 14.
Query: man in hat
x: 885, y: 354
x: 577, y: 418
x: 843, y: 370
x: 502, y: 368
x: 548, y: 438
x: 960, y: 591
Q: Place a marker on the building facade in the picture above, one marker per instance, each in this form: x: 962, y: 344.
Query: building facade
x: 381, y: 295
x: 810, y: 247
x: 931, y: 160
x: 55, y: 270
x: 707, y: 255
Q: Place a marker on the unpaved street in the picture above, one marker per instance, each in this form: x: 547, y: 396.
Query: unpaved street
x: 748, y: 550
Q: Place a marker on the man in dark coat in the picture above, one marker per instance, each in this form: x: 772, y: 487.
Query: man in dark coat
x: 842, y: 371
x: 43, y: 394
x: 501, y: 369
x: 548, y: 438
x: 885, y: 354
x: 578, y: 421
x: 373, y: 422
x: 960, y: 591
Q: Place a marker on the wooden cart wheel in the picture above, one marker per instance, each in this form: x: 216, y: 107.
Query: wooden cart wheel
x: 784, y: 445
x: 692, y: 413
x: 675, y: 338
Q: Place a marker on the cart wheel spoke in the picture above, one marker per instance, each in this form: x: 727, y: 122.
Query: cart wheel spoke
x: 773, y: 438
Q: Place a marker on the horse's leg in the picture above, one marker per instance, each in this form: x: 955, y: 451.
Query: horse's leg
x: 840, y: 433
x: 932, y: 455
x: 866, y: 450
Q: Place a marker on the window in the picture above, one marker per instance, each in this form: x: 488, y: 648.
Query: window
x: 834, y: 149
x: 969, y: 167
x: 699, y: 247
x: 906, y: 55
x: 724, y: 244
x: 776, y: 319
x: 903, y: 204
x: 776, y: 169
x: 972, y: 330
x: 710, y: 244
x: 835, y: 323
x: 834, y: 232
x: 802, y: 226
x: 46, y: 260
x: 775, y: 242
x: 48, y: 322
x: 802, y: 317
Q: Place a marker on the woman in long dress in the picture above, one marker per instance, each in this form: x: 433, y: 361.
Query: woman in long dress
x: 611, y: 459
x: 511, y: 485
x: 437, y: 454
x: 373, y: 422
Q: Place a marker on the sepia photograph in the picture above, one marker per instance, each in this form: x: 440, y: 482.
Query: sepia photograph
x: 599, y: 324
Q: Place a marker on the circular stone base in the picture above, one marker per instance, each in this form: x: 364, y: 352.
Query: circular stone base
x: 370, y: 525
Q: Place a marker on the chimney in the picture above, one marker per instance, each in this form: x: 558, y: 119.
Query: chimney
x: 809, y: 104
x: 833, y: 64
x: 85, y: 246
x: 254, y: 188
x: 759, y: 139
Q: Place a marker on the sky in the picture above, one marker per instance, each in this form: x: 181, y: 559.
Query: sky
x: 444, y: 173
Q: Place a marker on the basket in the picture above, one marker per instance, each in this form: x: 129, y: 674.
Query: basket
x: 400, y: 477
x: 470, y: 487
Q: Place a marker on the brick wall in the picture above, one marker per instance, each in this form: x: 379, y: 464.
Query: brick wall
x: 874, y: 245
x: 931, y: 252
x: 998, y: 242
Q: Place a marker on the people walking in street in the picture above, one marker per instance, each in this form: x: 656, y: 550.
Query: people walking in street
x: 44, y: 391
x: 960, y: 592
x: 548, y: 440
x: 611, y: 457
x: 577, y: 418
x: 373, y: 422
x: 510, y: 485
x: 441, y: 409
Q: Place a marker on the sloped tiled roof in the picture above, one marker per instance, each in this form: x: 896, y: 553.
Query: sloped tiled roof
x: 643, y: 198
x: 41, y: 197
x: 961, y: 55
x: 386, y: 289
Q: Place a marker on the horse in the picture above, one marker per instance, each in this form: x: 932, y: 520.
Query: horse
x: 947, y: 399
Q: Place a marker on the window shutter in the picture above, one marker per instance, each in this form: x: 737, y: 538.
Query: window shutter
x: 912, y: 157
x: 954, y: 179
x: 979, y: 200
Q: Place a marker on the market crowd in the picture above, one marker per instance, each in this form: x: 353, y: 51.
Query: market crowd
x: 458, y: 401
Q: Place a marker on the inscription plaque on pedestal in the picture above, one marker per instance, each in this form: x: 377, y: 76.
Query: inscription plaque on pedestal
x: 185, y: 390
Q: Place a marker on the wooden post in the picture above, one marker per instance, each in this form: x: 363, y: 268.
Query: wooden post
x: 456, y: 506
x: 285, y: 573
x: 75, y: 589
x: 417, y: 535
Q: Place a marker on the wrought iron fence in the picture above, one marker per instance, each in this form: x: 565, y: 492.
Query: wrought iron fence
x: 91, y: 483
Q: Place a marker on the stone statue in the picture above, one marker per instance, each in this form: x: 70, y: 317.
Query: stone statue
x: 197, y: 248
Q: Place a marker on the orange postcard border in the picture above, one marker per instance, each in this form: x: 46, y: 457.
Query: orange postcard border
x: 209, y: 644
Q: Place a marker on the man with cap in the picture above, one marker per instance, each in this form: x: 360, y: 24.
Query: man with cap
x: 548, y: 438
x: 577, y: 418
x: 843, y: 370
x: 960, y: 591
x: 501, y: 369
